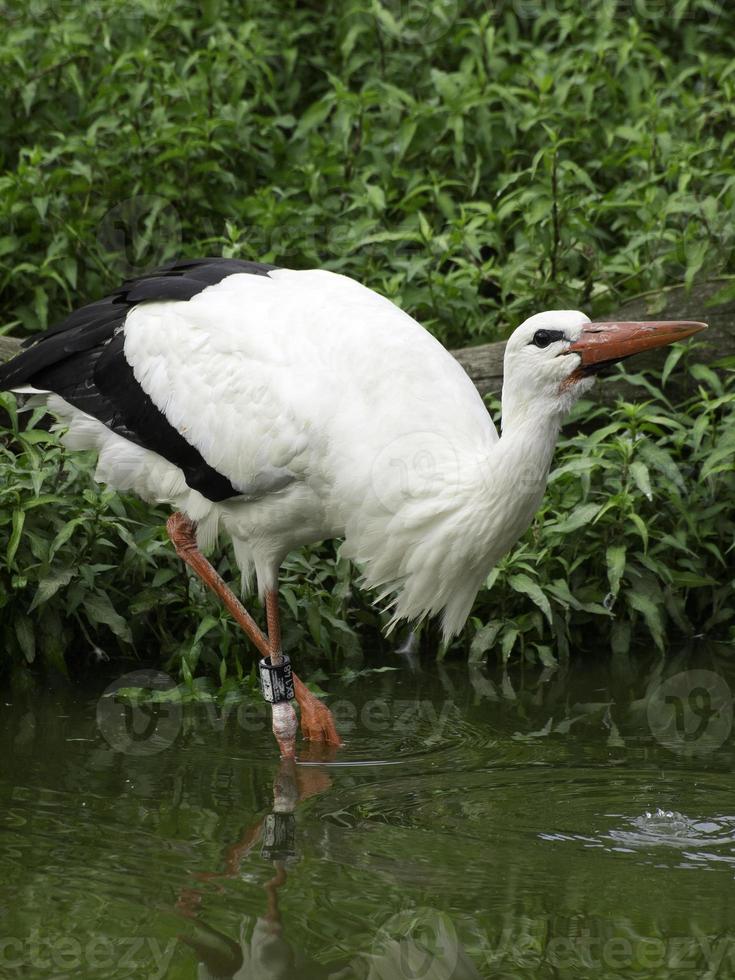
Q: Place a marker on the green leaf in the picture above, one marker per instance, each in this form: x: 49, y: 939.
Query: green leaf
x: 639, y: 472
x: 66, y: 532
x: 690, y: 580
x: 721, y: 460
x: 483, y: 641
x: 510, y: 635
x: 8, y: 243
x: 724, y: 295
x: 640, y: 526
x: 207, y: 624
x: 313, y: 117
x: 26, y: 637
x: 615, y: 558
x: 405, y: 137
x: 696, y: 255
x: 673, y: 358
x: 546, y: 655
x: 376, y: 196
x: 99, y: 608
x: 706, y: 375
x: 40, y: 305
x: 650, y: 612
x: 50, y: 584
x: 18, y: 521
x: 291, y: 601
x: 522, y: 583
x: 579, y: 517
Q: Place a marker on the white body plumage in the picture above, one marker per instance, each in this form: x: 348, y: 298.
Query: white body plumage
x: 334, y: 414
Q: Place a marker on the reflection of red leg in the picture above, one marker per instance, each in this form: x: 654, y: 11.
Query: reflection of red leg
x: 317, y: 722
x: 236, y: 853
x: 291, y: 786
x: 189, y: 902
x: 312, y: 780
x: 273, y: 914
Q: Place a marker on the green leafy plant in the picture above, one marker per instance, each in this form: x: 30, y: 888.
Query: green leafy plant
x: 475, y: 162
x: 477, y: 168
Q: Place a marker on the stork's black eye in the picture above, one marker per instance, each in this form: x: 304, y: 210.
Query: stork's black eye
x: 542, y: 338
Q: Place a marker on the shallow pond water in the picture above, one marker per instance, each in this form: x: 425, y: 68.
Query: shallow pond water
x: 570, y: 823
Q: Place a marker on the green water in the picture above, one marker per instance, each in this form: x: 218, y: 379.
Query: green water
x: 570, y: 823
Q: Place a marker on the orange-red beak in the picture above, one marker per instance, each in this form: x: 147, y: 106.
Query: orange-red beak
x: 604, y: 343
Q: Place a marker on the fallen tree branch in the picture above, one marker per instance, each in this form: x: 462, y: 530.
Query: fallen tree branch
x: 484, y: 363
x: 9, y: 347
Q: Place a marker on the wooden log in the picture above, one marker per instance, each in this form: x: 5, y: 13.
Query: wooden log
x: 484, y: 363
x: 9, y: 347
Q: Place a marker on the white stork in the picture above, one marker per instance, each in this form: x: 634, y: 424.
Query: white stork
x: 286, y: 407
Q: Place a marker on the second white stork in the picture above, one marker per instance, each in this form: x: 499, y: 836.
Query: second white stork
x: 286, y: 407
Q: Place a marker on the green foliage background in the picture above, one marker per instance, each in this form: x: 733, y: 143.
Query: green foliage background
x: 476, y: 162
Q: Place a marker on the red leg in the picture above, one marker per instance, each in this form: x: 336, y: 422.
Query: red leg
x: 284, y: 716
x: 316, y: 719
x: 273, y: 620
x: 317, y: 722
x: 182, y: 532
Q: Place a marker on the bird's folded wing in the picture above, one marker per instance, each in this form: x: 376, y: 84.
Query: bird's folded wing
x: 83, y: 360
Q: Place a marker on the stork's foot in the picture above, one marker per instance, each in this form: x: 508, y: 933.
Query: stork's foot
x: 317, y: 722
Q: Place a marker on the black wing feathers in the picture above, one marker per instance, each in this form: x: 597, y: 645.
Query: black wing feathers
x: 82, y: 360
x: 136, y: 413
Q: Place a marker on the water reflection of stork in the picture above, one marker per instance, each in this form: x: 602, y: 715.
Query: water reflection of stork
x: 263, y: 951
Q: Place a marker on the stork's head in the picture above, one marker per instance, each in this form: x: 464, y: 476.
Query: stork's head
x: 552, y: 358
